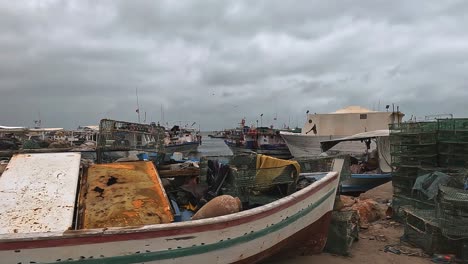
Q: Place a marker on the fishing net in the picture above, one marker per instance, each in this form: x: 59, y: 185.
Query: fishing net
x: 251, y: 184
x: 30, y: 144
x: 325, y: 164
x: 343, y: 231
x: 428, y: 184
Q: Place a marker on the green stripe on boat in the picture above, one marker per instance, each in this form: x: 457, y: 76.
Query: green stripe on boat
x: 200, y: 249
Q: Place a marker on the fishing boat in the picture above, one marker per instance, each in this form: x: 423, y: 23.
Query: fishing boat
x: 341, y: 123
x: 182, y: 139
x: 261, y: 140
x: 120, y: 213
x: 218, y: 134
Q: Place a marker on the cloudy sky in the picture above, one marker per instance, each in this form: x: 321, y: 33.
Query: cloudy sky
x: 214, y: 62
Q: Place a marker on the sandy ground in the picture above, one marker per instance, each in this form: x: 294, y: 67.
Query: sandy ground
x: 370, y: 247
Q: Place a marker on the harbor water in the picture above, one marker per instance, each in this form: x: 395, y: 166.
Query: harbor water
x: 212, y: 147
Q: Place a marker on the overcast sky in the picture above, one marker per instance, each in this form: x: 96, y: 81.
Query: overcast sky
x: 214, y: 62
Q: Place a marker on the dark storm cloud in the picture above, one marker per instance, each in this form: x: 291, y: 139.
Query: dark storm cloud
x: 216, y: 62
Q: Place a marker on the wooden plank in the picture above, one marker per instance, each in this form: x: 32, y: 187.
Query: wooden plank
x: 37, y: 193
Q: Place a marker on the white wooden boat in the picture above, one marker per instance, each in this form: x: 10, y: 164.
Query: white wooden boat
x: 342, y: 123
x: 298, y: 221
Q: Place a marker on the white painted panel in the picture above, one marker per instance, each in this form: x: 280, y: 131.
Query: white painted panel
x: 38, y: 192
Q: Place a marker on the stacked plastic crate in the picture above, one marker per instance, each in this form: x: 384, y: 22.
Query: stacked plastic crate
x: 414, y: 153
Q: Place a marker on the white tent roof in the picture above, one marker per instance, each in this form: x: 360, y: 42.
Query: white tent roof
x: 328, y: 144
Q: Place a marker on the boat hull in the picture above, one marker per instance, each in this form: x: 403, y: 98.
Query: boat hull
x: 277, y: 151
x: 244, y: 237
x: 359, y: 183
x: 211, y: 136
x: 310, y: 240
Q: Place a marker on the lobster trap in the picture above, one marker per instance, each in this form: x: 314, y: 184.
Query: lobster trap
x: 452, y: 211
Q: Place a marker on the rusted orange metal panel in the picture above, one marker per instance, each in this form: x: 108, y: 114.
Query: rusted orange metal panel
x: 124, y: 194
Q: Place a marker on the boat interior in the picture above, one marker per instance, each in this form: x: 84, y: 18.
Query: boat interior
x: 59, y: 192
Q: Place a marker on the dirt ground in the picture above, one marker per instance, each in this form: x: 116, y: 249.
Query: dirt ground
x: 371, y: 244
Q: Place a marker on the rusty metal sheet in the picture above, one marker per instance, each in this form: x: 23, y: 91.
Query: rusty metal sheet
x: 38, y: 193
x: 124, y: 194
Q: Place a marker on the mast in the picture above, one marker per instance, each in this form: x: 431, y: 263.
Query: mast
x: 38, y: 122
x: 162, y: 114
x: 138, y: 105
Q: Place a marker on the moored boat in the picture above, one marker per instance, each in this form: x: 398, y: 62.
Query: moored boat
x: 261, y: 140
x: 341, y: 123
x: 297, y: 221
x: 218, y: 134
x: 181, y: 139
x: 370, y: 168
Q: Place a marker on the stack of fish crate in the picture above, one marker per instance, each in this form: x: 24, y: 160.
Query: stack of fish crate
x: 414, y: 153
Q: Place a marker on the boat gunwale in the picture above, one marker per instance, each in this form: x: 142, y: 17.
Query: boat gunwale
x: 10, y: 241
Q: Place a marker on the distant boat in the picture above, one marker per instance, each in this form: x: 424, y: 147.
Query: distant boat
x: 180, y: 139
x: 218, y: 134
x: 342, y: 123
x: 261, y: 140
